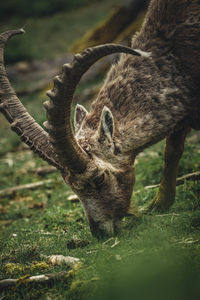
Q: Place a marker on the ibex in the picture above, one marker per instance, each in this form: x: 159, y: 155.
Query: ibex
x: 152, y: 92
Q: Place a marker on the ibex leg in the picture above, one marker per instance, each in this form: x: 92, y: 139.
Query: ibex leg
x: 173, y: 151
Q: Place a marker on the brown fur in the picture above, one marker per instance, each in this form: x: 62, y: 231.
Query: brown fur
x: 149, y: 98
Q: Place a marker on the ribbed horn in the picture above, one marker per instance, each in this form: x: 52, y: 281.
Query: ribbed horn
x: 21, y: 122
x: 59, y: 107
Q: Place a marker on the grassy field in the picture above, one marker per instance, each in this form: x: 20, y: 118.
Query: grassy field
x: 156, y: 256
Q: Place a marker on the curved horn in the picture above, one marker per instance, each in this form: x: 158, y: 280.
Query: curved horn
x: 59, y: 107
x: 21, y: 122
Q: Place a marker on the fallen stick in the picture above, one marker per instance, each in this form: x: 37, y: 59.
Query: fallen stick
x: 69, y: 261
x: 180, y: 180
x: 44, y: 278
x: 28, y: 186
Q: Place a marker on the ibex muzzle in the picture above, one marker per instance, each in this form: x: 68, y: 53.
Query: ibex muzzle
x: 152, y: 92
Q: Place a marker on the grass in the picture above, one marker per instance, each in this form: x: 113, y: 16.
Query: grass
x: 155, y: 251
x: 156, y: 256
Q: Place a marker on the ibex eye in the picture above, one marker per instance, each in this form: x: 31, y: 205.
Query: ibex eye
x: 99, y: 180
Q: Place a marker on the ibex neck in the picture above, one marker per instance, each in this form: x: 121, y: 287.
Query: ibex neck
x: 148, y: 98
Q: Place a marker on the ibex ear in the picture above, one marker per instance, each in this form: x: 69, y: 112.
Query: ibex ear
x: 79, y: 116
x: 106, y: 127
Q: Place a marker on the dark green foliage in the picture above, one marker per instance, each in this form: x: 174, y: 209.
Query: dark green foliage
x: 25, y: 8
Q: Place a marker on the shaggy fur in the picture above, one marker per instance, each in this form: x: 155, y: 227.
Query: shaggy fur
x: 149, y: 98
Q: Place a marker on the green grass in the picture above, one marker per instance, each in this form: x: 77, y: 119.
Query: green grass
x: 157, y: 254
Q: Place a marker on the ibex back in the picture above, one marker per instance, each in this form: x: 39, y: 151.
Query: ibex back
x: 152, y: 92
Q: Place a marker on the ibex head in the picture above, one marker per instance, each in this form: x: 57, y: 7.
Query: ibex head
x: 91, y: 161
x: 105, y: 186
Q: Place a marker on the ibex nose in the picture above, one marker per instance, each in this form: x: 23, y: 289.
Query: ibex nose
x: 102, y: 229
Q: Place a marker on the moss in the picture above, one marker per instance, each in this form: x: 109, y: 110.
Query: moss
x: 70, y: 274
x: 38, y: 266
x: 83, y: 289
x: 78, y: 266
x: 23, y: 279
x: 12, y: 268
x: 77, y: 285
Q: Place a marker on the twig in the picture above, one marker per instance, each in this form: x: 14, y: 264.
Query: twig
x: 191, y: 176
x: 167, y: 215
x: 108, y: 241
x: 187, y: 241
x: 180, y: 180
x: 29, y: 186
x: 44, y: 278
x: 115, y: 243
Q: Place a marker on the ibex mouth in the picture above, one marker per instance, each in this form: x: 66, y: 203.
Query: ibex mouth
x: 103, y: 229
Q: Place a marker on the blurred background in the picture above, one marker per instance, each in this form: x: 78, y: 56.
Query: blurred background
x: 53, y: 26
